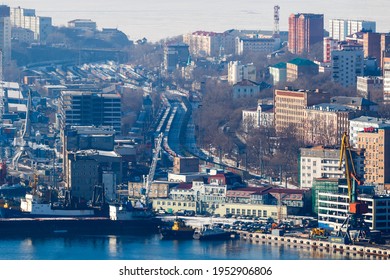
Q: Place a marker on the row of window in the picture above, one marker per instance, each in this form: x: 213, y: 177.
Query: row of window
x: 250, y: 212
x: 173, y: 203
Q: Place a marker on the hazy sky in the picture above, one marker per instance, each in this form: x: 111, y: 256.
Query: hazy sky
x: 158, y: 19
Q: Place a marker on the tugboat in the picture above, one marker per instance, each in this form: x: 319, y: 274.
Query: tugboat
x: 209, y: 232
x: 179, y: 230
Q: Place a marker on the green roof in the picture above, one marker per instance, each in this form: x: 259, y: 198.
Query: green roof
x: 302, y: 62
x: 280, y: 65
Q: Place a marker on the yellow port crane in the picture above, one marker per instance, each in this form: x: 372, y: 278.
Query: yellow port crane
x: 353, y: 228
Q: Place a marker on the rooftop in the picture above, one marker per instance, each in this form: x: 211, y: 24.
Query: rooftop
x: 330, y: 107
x: 356, y: 101
x: 280, y: 65
x: 302, y: 62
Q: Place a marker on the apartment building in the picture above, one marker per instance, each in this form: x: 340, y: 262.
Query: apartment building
x: 26, y: 18
x: 5, y: 35
x: 204, y: 43
x: 304, y: 31
x: 238, y: 72
x: 339, y: 29
x: 347, y: 65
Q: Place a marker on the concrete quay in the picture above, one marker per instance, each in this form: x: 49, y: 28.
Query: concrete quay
x: 323, y: 246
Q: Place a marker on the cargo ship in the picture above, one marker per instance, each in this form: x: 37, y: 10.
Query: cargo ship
x: 122, y: 219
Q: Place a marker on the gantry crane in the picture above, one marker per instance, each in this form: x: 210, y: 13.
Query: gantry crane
x: 353, y: 228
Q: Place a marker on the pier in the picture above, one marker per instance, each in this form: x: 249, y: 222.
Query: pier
x: 324, y: 246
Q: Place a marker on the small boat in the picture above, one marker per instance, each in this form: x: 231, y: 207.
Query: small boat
x: 179, y: 230
x: 208, y: 232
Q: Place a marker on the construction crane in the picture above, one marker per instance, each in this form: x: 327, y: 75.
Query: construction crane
x: 148, y: 179
x: 353, y: 228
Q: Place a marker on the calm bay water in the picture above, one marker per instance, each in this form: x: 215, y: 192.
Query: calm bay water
x: 156, y: 19
x: 151, y: 247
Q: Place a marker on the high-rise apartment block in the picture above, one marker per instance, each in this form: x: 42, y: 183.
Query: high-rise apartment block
x: 87, y: 108
x: 304, y: 31
x: 5, y: 34
x: 26, y: 18
x: 339, y: 29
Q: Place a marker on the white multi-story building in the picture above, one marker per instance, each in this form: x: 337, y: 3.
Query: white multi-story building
x: 238, y: 72
x: 5, y: 34
x: 333, y: 208
x: 203, y: 43
x: 364, y: 122
x: 322, y: 162
x: 318, y: 162
x: 26, y: 18
x: 265, y: 46
x: 347, y: 65
x: 340, y: 28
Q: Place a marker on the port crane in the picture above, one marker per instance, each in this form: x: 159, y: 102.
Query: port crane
x: 148, y: 179
x: 354, y: 228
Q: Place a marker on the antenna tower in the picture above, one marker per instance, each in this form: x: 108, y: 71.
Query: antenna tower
x: 276, y: 21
